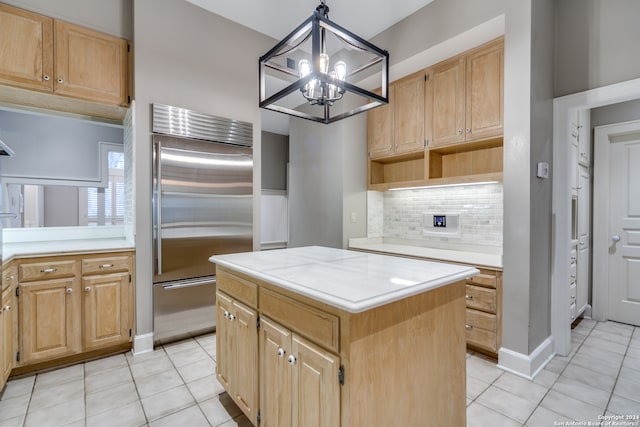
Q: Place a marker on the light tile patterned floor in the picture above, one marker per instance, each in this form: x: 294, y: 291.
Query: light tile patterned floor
x: 176, y: 386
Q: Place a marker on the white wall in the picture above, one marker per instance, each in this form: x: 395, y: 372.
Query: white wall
x: 275, y: 156
x: 190, y: 58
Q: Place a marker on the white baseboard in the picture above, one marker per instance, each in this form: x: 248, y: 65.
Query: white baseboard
x: 526, y: 365
x: 142, y: 344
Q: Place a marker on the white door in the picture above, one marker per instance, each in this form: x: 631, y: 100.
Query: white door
x: 619, y: 236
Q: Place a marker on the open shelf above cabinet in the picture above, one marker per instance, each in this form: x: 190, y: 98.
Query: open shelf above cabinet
x: 467, y: 162
x: 399, y: 171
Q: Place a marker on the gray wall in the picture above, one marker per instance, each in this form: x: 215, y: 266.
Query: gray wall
x: 596, y: 43
x: 111, y: 17
x: 52, y: 147
x: 61, y: 206
x: 616, y: 113
x: 275, y: 156
x: 187, y: 57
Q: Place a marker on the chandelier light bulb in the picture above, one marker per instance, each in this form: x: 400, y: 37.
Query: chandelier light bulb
x: 340, y: 70
x: 304, y: 68
x: 323, y: 63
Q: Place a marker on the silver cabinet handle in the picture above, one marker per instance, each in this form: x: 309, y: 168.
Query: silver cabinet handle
x: 468, y: 327
x: 69, y: 290
x: 87, y: 289
x: 7, y: 308
x: 226, y: 314
x: 106, y: 266
x: 48, y: 270
x: 46, y: 77
x: 158, y: 178
x: 281, y: 352
x: 291, y: 359
x: 615, y: 238
x: 468, y: 296
x: 231, y: 317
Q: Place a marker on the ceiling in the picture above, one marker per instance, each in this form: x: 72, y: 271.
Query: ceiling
x: 365, y: 18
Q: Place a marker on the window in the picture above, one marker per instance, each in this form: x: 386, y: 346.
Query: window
x: 105, y: 205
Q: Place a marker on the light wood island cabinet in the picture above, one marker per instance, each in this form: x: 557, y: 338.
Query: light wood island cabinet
x: 8, y: 322
x: 400, y: 363
x: 72, y: 307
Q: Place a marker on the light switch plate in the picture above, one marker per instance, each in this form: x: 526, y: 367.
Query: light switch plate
x: 543, y: 170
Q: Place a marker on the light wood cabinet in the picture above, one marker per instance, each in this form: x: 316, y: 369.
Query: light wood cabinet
x: 298, y: 382
x: 484, y: 311
x: 468, y: 96
x: 74, y: 305
x: 237, y: 352
x: 322, y: 366
x: 43, y: 54
x: 26, y: 49
x: 408, y: 113
x: 7, y: 322
x: 380, y: 128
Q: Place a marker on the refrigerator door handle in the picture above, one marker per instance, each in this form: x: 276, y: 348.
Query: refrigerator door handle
x: 8, y: 215
x: 158, y: 209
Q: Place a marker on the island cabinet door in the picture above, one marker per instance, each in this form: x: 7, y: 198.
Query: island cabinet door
x: 246, y: 356
x: 275, y: 375
x: 225, y: 343
x: 315, y: 386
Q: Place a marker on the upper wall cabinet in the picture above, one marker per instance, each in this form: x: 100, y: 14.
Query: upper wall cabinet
x: 90, y: 65
x: 51, y: 56
x: 468, y: 96
x: 26, y: 49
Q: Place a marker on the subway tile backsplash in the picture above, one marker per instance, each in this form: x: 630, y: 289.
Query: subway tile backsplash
x: 397, y: 215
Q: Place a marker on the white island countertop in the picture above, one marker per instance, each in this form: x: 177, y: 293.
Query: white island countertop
x: 348, y: 280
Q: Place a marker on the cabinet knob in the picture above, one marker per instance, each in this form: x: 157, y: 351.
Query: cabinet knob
x: 60, y: 80
x: 281, y: 352
x: 582, y: 243
x: 573, y: 276
x: 7, y: 308
x: 87, y: 289
x: 573, y: 257
x: 468, y: 130
x: 48, y: 270
x: 459, y: 131
x: 231, y: 317
x: 46, y: 77
x: 291, y: 359
x: 468, y: 296
x: 615, y: 238
x: 69, y: 290
x: 468, y: 327
x: 226, y: 314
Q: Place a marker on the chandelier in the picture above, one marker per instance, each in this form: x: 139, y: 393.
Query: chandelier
x: 319, y: 64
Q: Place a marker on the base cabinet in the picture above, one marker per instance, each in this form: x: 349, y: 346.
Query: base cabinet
x: 298, y: 382
x: 7, y: 322
x: 69, y: 305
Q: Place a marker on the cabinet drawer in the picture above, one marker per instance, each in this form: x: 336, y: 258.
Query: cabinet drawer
x: 105, y: 265
x: 481, y: 298
x: 316, y: 325
x: 47, y: 270
x: 9, y: 277
x: 483, y: 279
x: 482, y: 338
x: 237, y: 287
x: 482, y: 320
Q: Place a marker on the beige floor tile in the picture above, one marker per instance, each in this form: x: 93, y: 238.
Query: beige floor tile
x: 101, y: 365
x: 205, y: 388
x: 188, y: 344
x: 521, y: 387
x: 601, y: 352
x: 188, y: 356
x: 569, y: 407
x: 510, y: 405
x: 14, y: 407
x: 130, y: 415
x: 165, y: 403
x: 482, y: 369
x: 158, y: 383
x: 611, y: 337
x: 110, y: 378
x: 546, y: 378
x: 628, y: 384
x: 557, y: 364
x: 475, y: 387
x: 631, y: 363
x: 115, y: 397
x: 151, y: 367
x: 543, y: 417
x: 481, y: 416
x: 201, y: 368
x: 145, y: 357
x: 240, y: 421
x: 210, y: 348
x: 45, y: 397
x: 595, y: 364
x: 220, y: 409
x: 60, y: 376
x: 19, y: 387
x: 583, y: 392
x: 621, y: 405
x: 57, y: 415
x: 590, y: 377
x: 614, y: 328
x: 593, y: 343
x: 13, y: 422
x: 191, y: 416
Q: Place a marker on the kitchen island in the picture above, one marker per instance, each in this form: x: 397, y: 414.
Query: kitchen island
x: 327, y: 337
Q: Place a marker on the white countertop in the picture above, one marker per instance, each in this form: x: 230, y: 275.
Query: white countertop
x: 348, y: 280
x: 61, y: 247
x: 479, y: 259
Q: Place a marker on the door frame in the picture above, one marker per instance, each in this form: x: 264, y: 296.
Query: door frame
x: 561, y: 204
x: 601, y: 182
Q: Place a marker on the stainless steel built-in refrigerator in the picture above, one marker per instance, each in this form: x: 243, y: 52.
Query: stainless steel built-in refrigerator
x: 202, y: 206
